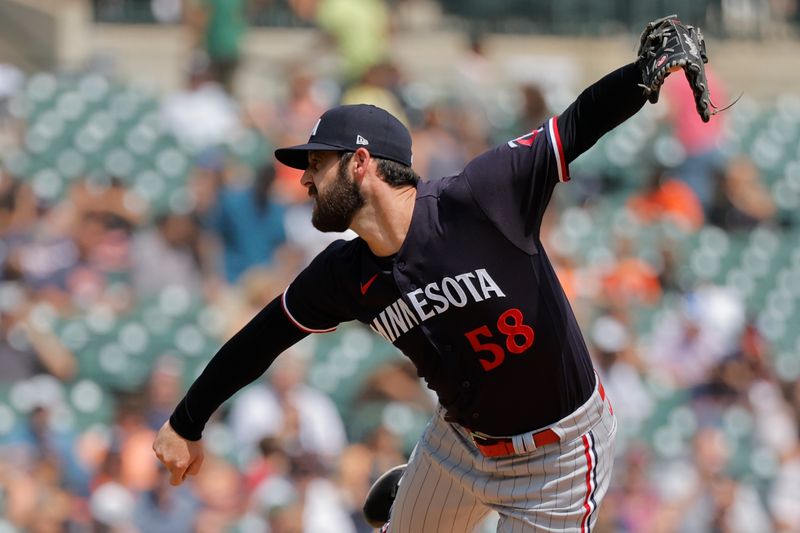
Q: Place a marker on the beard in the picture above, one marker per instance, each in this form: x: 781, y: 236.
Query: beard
x: 335, y: 208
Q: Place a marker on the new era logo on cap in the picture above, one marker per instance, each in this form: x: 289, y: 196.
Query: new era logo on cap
x: 347, y: 128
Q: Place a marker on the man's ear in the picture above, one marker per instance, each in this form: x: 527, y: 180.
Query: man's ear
x: 361, y: 160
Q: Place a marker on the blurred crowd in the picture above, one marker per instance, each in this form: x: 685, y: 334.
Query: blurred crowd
x: 709, y: 410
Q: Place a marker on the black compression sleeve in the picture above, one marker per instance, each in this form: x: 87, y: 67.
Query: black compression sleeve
x: 240, y: 361
x: 600, y: 108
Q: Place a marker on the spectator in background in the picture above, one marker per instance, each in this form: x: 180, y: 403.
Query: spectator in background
x: 248, y: 223
x: 360, y: 31
x: 396, y: 381
x: 28, y: 348
x: 219, y: 26
x: 40, y: 438
x: 220, y: 490
x: 103, y: 243
x: 33, y: 497
x: 689, y: 341
x: 164, y: 388
x: 630, y: 280
x: 362, y: 463
x: 163, y: 509
x: 379, y: 85
x: 247, y: 298
x: 136, y: 469
x: 274, y: 502
x: 702, y: 496
x: 301, y: 418
x: 635, y: 502
x: 272, y: 461
x: 665, y: 198
x: 782, y: 496
x: 77, y: 248
x: 437, y: 153
x: 169, y: 254
x: 111, y: 502
x: 290, y: 123
x: 784, y: 491
x: 701, y: 141
x: 300, y: 498
x: 669, y: 265
x: 534, y: 111
x: 477, y: 78
x: 622, y: 371
x: 475, y: 68
x: 323, y: 507
x: 18, y: 215
x: 741, y: 202
x: 203, y: 114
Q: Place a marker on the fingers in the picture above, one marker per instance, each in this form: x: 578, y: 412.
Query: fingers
x: 194, y: 468
x: 176, y: 475
x: 180, y: 470
x: 177, y: 469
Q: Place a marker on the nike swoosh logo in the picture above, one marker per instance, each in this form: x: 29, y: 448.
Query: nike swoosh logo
x: 365, y: 286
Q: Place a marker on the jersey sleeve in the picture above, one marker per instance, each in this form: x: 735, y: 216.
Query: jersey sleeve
x: 314, y: 301
x: 513, y: 183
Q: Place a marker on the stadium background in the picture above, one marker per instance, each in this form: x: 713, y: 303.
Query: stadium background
x: 142, y: 223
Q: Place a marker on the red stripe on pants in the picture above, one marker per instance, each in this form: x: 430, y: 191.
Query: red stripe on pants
x: 589, y: 468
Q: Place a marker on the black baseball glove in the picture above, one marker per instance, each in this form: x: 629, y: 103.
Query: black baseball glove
x: 667, y: 45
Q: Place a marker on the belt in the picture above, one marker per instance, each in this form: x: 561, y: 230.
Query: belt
x: 504, y: 446
x: 525, y: 443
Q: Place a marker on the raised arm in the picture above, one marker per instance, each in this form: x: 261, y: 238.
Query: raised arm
x: 666, y: 45
x: 601, y: 107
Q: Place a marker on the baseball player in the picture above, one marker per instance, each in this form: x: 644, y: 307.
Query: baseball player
x: 453, y: 273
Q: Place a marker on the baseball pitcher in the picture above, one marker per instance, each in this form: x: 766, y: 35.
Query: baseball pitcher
x: 453, y: 273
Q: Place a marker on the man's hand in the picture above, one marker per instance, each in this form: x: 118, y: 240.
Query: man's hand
x: 181, y: 457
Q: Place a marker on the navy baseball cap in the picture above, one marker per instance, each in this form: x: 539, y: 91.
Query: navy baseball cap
x: 346, y: 128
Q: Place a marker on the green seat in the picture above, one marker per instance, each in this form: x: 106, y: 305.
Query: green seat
x: 120, y: 163
x: 94, y: 88
x: 42, y: 88
x: 91, y: 404
x: 173, y: 164
x: 71, y: 107
x: 48, y: 184
x: 70, y: 163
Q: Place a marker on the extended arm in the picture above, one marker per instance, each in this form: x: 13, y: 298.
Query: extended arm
x: 600, y: 108
x: 666, y: 46
x: 242, y: 359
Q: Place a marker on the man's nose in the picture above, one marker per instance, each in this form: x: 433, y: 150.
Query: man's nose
x: 305, y: 179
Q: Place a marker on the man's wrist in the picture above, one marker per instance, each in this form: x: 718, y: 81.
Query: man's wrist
x: 182, y: 423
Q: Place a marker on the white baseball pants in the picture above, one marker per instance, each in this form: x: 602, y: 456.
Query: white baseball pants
x: 450, y: 487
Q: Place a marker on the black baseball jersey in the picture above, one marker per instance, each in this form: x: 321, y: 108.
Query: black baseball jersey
x: 471, y: 296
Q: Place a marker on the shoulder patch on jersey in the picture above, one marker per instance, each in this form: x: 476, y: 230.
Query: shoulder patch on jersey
x: 524, y: 140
